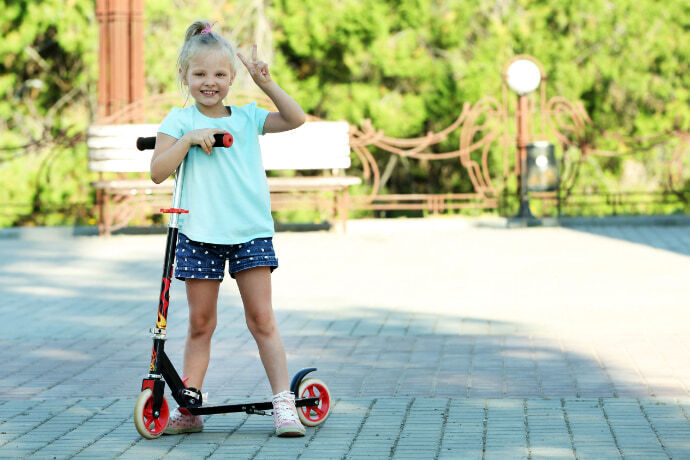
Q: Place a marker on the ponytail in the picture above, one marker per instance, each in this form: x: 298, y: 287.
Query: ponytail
x: 200, y: 35
x: 198, y: 28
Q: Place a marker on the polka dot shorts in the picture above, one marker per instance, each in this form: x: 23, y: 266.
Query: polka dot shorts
x: 207, y: 261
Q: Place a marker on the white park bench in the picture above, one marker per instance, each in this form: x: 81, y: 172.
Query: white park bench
x: 316, y: 145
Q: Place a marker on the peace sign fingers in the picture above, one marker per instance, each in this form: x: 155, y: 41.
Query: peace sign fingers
x: 248, y: 64
x: 257, y: 69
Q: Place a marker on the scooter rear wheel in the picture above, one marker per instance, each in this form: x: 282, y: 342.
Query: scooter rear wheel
x: 316, y: 415
x: 148, y: 426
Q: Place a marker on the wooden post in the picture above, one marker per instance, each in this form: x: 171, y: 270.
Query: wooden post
x: 103, y: 57
x: 136, y: 62
x: 121, y: 56
x: 118, y: 36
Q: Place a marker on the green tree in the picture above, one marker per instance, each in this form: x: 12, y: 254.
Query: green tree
x: 47, y: 77
x: 408, y: 65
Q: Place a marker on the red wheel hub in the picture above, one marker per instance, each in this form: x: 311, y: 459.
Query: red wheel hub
x: 155, y: 425
x: 316, y: 413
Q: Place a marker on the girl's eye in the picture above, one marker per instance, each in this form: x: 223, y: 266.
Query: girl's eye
x: 220, y: 75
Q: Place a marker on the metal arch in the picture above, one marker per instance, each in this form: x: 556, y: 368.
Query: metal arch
x: 366, y: 135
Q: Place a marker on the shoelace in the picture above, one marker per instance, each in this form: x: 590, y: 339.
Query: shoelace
x: 177, y: 415
x: 284, y: 407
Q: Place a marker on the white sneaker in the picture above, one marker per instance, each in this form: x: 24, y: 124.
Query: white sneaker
x: 285, y: 416
x: 181, y: 421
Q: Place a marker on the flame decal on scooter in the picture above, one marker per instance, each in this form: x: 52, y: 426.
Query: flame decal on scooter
x: 152, y: 367
x: 163, y: 307
x: 161, y: 321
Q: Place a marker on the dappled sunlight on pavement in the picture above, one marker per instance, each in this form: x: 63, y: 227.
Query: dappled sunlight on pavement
x: 431, y: 334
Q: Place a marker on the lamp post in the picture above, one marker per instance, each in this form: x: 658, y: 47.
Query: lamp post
x: 523, y: 77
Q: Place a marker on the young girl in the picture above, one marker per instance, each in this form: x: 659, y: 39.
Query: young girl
x: 230, y: 219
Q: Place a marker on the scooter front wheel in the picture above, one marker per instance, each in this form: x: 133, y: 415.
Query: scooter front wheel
x: 147, y: 425
x: 315, y: 415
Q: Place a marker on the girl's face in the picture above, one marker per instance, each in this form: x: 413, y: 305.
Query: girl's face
x: 209, y: 77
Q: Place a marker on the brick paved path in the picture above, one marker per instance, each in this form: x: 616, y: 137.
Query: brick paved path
x: 437, y: 339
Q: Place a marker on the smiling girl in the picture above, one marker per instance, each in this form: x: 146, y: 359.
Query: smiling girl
x: 230, y: 220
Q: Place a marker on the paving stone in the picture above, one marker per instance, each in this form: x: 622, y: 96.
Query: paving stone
x: 425, y: 357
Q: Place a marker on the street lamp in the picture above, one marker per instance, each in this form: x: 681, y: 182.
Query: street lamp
x: 523, y: 77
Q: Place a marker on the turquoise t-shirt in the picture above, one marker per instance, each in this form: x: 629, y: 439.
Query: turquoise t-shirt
x: 225, y: 192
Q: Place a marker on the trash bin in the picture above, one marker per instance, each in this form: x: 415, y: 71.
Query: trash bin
x: 542, y: 170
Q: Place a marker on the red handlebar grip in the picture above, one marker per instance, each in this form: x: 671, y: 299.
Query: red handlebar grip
x: 228, y: 140
x: 174, y: 211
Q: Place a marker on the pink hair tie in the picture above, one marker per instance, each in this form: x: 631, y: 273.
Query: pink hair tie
x: 207, y: 30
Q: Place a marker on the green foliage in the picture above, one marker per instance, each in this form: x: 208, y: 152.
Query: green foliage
x: 47, y: 82
x: 46, y: 189
x: 408, y: 65
x: 47, y: 63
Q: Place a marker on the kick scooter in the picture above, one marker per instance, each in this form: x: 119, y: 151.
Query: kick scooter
x: 151, y: 411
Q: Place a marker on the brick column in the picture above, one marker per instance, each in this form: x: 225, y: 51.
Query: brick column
x: 121, y: 54
x: 103, y: 58
x: 136, y: 47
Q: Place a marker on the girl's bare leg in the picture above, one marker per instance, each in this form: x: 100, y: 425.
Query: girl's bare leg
x: 202, y: 297
x: 255, y: 289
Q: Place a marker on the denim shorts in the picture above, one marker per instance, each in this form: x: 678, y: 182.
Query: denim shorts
x: 194, y: 259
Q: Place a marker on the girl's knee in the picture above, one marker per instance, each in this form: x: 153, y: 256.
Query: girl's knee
x: 261, y: 323
x: 201, y: 326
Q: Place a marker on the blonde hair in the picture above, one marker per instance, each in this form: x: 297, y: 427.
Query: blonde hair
x: 194, y: 40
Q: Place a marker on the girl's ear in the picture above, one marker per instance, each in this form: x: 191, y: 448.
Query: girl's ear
x: 183, y: 77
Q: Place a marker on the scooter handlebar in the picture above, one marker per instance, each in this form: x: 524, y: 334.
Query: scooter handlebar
x: 222, y: 140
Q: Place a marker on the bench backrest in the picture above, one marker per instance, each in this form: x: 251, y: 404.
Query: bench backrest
x: 314, y: 145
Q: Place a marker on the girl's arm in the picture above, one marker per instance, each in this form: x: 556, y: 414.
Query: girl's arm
x: 289, y: 115
x: 170, y: 152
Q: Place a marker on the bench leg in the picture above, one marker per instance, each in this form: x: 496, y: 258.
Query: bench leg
x: 105, y: 215
x: 342, y: 199
x: 101, y: 205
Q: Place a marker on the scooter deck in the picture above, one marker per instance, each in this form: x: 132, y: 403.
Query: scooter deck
x: 249, y: 408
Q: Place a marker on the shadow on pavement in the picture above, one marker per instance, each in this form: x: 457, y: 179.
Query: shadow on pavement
x: 73, y: 348
x: 76, y: 314
x: 673, y: 238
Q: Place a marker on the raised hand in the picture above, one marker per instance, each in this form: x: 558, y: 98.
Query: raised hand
x: 257, y: 69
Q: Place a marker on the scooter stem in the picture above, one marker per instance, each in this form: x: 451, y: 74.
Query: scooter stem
x: 177, y: 194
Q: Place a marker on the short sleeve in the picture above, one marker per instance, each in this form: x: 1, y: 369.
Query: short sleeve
x: 172, y: 124
x: 259, y: 117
